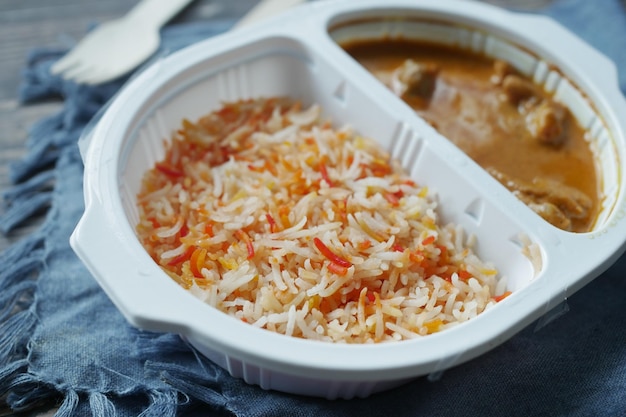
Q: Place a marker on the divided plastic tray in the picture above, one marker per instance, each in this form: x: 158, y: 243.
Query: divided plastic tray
x: 297, y: 55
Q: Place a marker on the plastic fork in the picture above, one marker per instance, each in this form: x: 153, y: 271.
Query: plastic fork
x: 116, y: 47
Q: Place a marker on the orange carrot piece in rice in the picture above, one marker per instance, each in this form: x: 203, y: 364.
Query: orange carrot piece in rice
x: 196, y: 262
x: 330, y: 255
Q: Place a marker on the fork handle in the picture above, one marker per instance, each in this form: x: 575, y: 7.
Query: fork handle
x: 266, y: 8
x: 156, y: 13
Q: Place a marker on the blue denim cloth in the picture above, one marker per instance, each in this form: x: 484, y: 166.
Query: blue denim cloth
x: 61, y: 336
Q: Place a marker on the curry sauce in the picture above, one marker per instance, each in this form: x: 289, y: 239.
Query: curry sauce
x: 502, y: 120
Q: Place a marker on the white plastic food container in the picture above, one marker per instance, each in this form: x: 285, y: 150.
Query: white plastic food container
x: 297, y: 55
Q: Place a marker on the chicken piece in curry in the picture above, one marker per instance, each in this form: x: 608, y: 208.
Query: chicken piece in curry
x: 509, y: 125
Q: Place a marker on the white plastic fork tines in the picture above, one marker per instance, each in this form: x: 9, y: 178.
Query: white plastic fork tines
x: 116, y: 47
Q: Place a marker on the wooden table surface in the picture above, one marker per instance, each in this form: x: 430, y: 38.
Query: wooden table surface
x: 26, y: 24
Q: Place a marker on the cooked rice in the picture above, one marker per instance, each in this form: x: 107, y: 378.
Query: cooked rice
x: 271, y: 215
